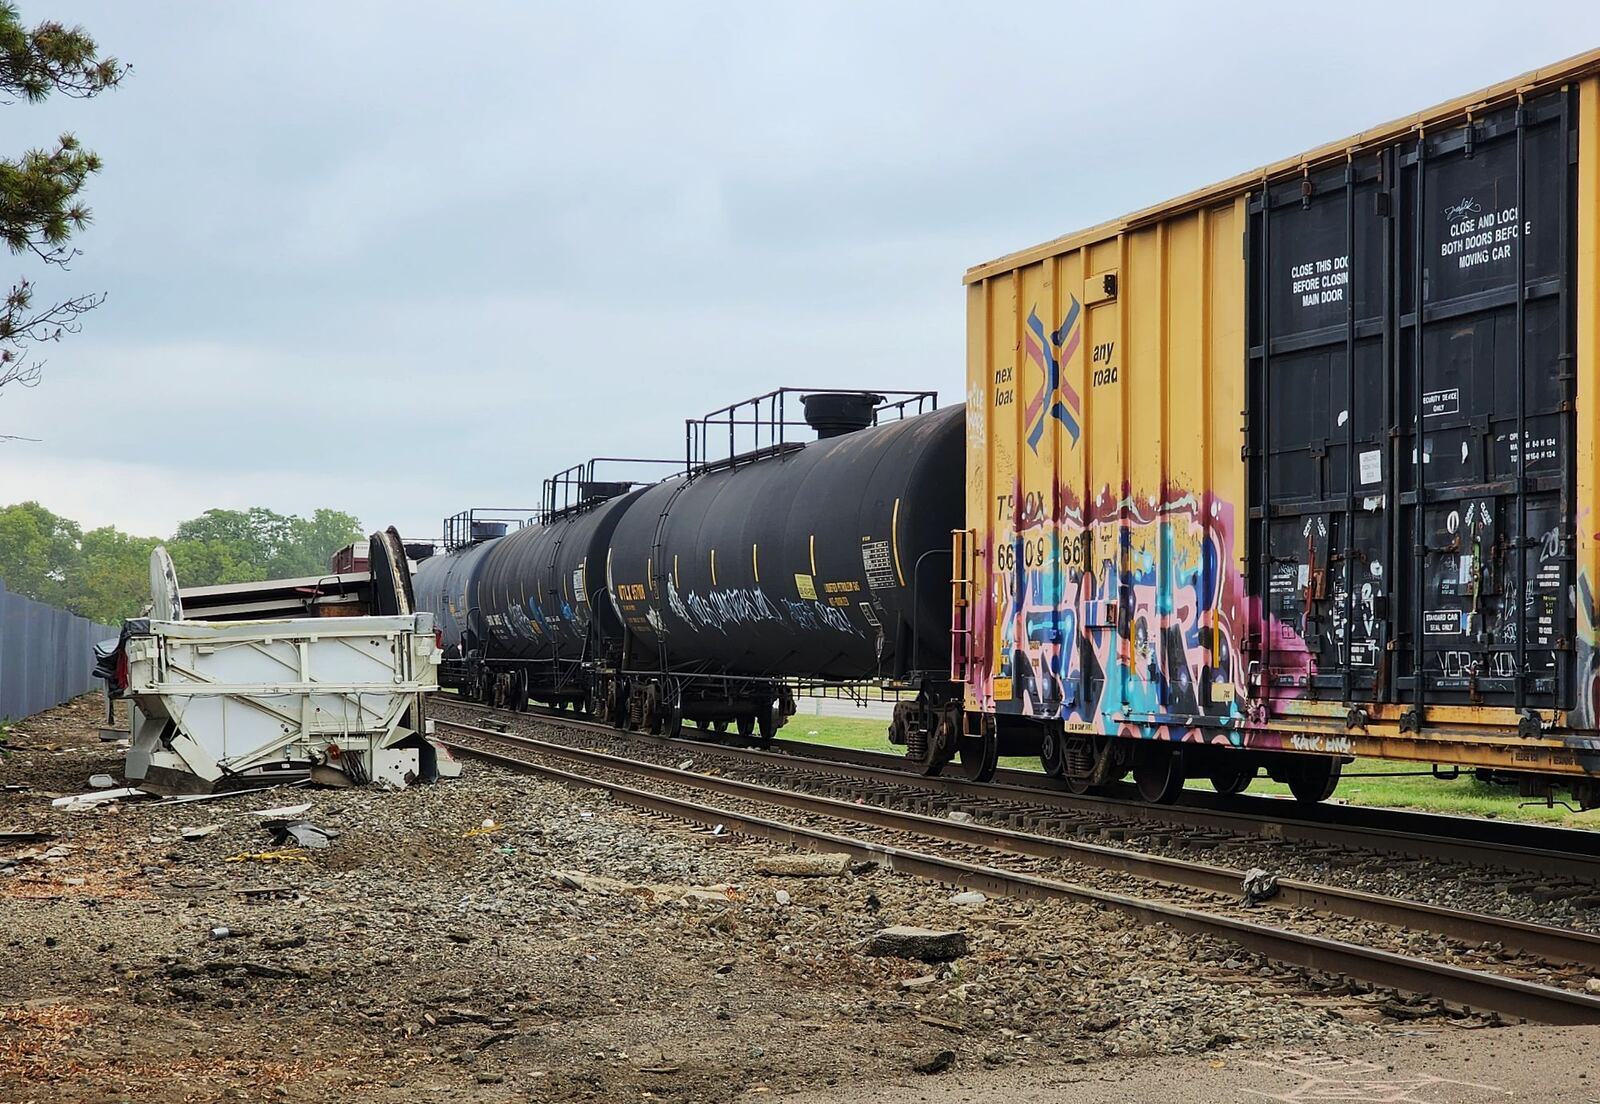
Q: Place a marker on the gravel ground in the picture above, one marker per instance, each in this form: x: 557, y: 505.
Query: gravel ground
x: 1411, y: 943
x: 425, y: 953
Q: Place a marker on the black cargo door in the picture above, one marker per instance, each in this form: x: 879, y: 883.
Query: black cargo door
x: 1318, y: 430
x: 1486, y: 228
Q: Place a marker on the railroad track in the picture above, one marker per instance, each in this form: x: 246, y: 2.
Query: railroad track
x: 1552, y: 859
x: 1189, y: 896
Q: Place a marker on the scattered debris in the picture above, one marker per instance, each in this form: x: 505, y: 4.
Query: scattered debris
x: 917, y: 984
x: 1099, y: 1024
x: 599, y: 883
x: 970, y: 897
x: 301, y: 833
x: 26, y: 837
x: 35, y: 855
x: 185, y: 799
x: 782, y: 897
x: 823, y: 865
x: 77, y: 803
x: 201, y: 832
x: 922, y: 944
x: 483, y: 829
x: 959, y: 817
x: 101, y: 782
x: 288, y: 854
x: 282, y: 812
x: 1259, y: 885
x: 933, y: 1063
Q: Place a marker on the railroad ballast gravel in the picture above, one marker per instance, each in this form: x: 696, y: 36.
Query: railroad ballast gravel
x: 433, y: 944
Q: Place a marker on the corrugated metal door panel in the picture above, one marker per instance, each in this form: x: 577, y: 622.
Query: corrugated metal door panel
x: 1586, y: 695
x: 1486, y: 220
x: 1320, y: 555
x: 1396, y: 528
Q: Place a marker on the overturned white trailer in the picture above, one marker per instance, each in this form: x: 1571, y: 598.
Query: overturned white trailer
x: 338, y: 694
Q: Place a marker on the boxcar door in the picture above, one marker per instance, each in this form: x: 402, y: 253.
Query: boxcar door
x: 1484, y: 389
x: 1317, y: 432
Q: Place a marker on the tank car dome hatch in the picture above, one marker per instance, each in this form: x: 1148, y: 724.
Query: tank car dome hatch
x: 487, y: 530
x: 600, y: 490
x: 835, y: 413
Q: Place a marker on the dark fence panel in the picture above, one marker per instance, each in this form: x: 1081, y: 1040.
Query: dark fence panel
x: 46, y: 655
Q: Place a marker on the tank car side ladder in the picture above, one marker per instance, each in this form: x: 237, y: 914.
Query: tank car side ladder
x: 961, y: 642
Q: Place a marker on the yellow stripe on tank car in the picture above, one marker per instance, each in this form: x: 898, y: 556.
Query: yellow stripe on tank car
x: 894, y: 542
x: 755, y: 566
x: 675, y: 572
x: 813, y: 553
x: 713, y: 567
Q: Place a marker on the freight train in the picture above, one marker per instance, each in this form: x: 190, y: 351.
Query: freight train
x: 1296, y: 467
x: 713, y: 595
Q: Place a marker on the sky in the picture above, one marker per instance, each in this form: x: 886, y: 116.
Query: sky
x: 403, y: 259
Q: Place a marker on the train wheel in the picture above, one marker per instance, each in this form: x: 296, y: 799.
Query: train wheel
x: 980, y: 755
x: 1316, y: 781
x: 1159, y: 774
x: 769, y: 717
x: 653, y: 716
x: 1231, y: 780
x: 719, y: 727
x: 522, y: 692
x: 1052, y: 753
x: 745, y: 724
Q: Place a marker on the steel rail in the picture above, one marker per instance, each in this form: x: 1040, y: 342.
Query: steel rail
x: 1466, y: 988
x: 1559, y: 944
x: 1466, y: 840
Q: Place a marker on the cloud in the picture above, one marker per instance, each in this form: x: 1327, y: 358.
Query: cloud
x: 401, y: 259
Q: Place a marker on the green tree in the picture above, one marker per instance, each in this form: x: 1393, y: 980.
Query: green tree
x: 38, y: 553
x: 104, y: 574
x: 113, y: 577
x: 314, y: 540
x: 40, y: 208
x: 229, y: 546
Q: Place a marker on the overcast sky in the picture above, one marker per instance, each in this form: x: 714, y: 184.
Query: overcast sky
x: 400, y: 259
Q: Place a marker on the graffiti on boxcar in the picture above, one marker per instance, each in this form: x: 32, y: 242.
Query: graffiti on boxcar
x: 1139, y: 611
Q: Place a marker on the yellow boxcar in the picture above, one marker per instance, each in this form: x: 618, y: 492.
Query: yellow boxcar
x: 1301, y: 465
